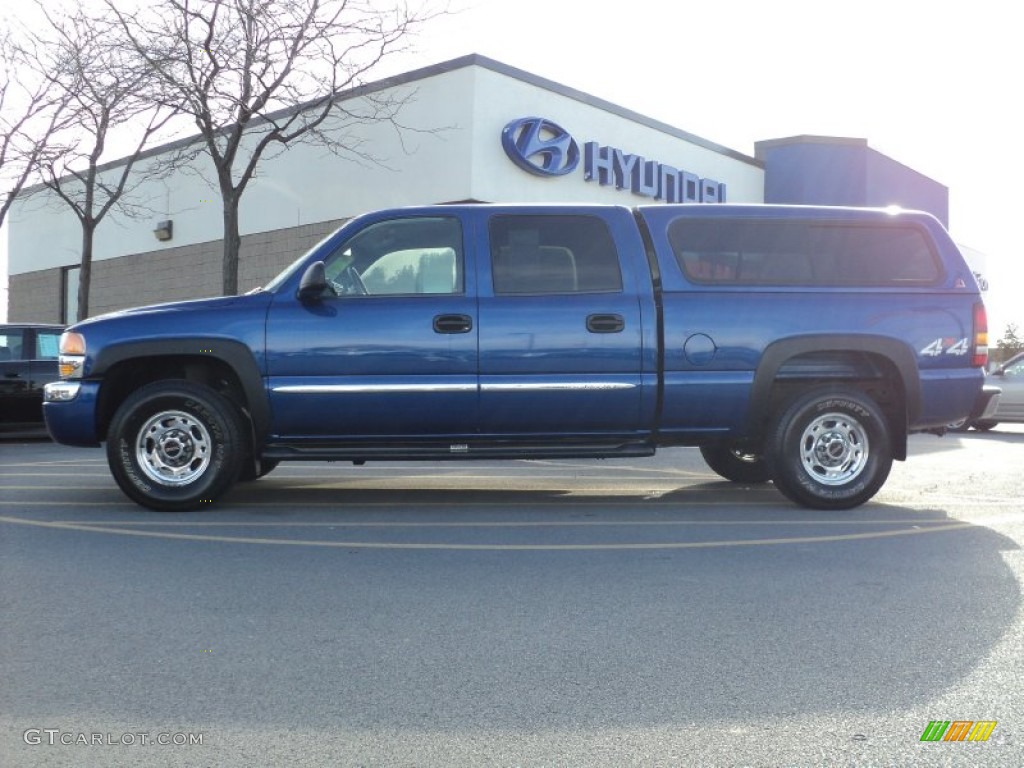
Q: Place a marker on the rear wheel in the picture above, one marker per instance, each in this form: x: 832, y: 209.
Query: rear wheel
x: 175, y: 445
x: 830, y: 449
x: 985, y: 425
x: 735, y: 464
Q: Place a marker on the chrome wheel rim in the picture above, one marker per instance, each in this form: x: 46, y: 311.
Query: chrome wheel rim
x: 834, y: 449
x: 173, y: 448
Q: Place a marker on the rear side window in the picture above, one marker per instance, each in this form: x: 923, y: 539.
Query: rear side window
x: 47, y: 343
x: 756, y: 252
x: 553, y: 254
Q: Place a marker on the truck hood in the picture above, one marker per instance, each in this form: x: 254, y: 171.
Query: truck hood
x: 254, y: 299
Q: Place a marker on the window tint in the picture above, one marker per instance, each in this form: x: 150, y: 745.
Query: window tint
x: 553, y: 254
x: 802, y: 253
x: 10, y: 344
x: 400, y: 257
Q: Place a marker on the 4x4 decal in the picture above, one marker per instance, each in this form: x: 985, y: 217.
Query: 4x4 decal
x: 946, y: 346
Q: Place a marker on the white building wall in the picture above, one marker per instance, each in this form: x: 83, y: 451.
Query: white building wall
x: 500, y: 98
x: 451, y: 151
x: 301, y: 185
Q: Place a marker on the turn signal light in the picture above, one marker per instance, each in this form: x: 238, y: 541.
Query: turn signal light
x: 72, y: 355
x: 72, y: 343
x: 980, y: 357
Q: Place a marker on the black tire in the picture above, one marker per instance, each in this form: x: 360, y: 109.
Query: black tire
x: 985, y: 425
x: 175, y: 445
x: 735, y: 464
x: 250, y: 473
x: 830, y: 449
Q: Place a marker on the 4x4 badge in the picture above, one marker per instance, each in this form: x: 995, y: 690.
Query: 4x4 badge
x: 946, y: 346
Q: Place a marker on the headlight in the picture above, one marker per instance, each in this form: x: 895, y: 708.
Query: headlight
x: 72, y: 355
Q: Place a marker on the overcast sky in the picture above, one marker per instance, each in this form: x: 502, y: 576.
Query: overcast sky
x: 935, y: 85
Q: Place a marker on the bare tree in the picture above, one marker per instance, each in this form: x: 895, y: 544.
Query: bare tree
x: 31, y: 111
x: 105, y: 86
x: 260, y: 74
x: 1010, y: 344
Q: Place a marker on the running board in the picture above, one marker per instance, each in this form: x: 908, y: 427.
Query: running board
x: 349, y: 451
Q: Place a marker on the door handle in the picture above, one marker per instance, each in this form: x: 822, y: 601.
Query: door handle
x: 606, y: 323
x: 453, y: 324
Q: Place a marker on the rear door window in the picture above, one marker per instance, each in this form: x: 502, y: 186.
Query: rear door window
x: 47, y: 344
x: 548, y: 254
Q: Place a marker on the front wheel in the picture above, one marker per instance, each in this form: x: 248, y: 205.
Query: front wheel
x: 175, y: 445
x: 830, y: 449
x: 735, y: 464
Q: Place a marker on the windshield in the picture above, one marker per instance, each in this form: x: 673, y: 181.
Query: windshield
x: 288, y: 271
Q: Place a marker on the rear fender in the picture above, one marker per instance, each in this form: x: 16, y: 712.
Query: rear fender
x: 771, y: 372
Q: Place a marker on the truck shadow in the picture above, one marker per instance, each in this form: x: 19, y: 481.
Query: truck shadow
x: 733, y: 605
x: 452, y: 606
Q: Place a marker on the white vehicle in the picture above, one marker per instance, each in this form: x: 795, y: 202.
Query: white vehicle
x: 1009, y: 377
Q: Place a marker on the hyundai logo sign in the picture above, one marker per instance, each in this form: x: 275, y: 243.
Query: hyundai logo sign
x: 540, y: 146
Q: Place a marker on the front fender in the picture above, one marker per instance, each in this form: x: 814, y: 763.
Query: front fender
x: 228, y: 351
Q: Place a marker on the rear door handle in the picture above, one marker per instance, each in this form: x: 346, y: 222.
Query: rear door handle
x: 453, y: 324
x: 605, y: 323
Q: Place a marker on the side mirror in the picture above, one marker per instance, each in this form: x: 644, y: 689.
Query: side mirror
x: 313, y: 284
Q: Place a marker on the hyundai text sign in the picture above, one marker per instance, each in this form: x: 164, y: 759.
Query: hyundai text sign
x: 544, y: 148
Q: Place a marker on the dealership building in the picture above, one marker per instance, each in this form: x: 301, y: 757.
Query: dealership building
x: 474, y: 130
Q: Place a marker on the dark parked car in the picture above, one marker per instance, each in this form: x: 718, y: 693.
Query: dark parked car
x: 28, y: 361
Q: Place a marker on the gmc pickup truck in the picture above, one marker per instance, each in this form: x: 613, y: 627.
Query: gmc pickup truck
x: 796, y: 345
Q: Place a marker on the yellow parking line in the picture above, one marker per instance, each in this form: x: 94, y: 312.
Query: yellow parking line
x: 75, y: 488
x: 565, y: 501
x: 7, y: 503
x: 43, y: 474
x: 483, y: 524
x: 487, y: 547
x: 64, y: 463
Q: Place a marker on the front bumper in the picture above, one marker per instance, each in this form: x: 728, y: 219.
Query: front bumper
x: 69, y: 410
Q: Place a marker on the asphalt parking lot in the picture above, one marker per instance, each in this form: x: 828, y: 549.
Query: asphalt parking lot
x: 541, y: 613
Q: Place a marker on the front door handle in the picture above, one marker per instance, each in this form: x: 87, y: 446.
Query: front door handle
x: 605, y: 323
x: 453, y: 324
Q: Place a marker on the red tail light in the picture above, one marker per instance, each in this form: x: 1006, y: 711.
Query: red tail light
x: 979, y: 358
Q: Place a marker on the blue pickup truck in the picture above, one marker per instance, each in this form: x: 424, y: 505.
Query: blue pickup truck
x: 791, y: 344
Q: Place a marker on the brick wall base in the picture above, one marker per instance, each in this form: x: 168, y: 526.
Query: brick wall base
x: 172, y: 274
